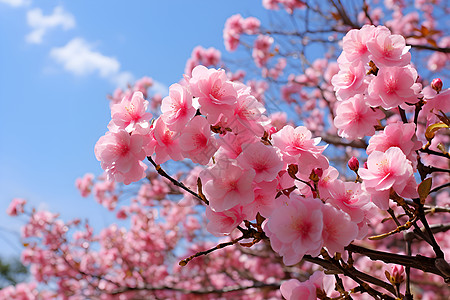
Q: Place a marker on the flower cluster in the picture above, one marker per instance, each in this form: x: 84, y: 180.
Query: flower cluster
x: 207, y: 116
x: 374, y: 72
x: 235, y: 26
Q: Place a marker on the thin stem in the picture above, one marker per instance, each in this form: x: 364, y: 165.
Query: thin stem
x: 429, y: 151
x: 219, y: 246
x: 437, y: 250
x: 403, y: 114
x: 174, y: 181
x: 440, y: 187
x: 408, y: 294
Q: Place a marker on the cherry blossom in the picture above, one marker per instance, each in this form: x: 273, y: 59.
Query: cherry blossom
x: 121, y: 156
x: 177, y: 108
x: 385, y: 170
x: 295, y: 229
x: 16, y: 207
x: 388, y: 49
x: 228, y: 185
x: 394, y: 86
x: 130, y: 115
x: 355, y: 119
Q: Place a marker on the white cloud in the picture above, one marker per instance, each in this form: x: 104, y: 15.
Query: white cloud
x: 159, y: 88
x: 79, y: 58
x: 41, y: 24
x: 16, y: 3
x: 122, y: 79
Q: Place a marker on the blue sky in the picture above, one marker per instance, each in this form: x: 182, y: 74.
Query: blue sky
x: 53, y: 102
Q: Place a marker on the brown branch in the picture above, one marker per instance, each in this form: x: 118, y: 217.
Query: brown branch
x: 426, y: 47
x: 419, y: 262
x: 349, y: 271
x: 219, y: 246
x: 429, y: 151
x: 174, y: 181
x: 337, y: 141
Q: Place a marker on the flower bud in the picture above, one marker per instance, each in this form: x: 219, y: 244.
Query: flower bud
x: 353, y: 164
x: 436, y: 85
x: 397, y: 274
x: 316, y: 174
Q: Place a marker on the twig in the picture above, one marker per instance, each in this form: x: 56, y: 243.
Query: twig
x: 174, y: 181
x: 219, y: 246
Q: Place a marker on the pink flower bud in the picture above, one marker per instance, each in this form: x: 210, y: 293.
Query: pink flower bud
x: 353, y: 164
x: 397, y: 274
x: 318, y: 172
x: 272, y: 130
x: 436, y: 84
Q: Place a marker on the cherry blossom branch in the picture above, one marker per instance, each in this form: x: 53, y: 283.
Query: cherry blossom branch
x: 219, y: 246
x: 408, y: 239
x: 354, y: 272
x: 347, y: 271
x: 438, y: 188
x: 343, y: 14
x: 426, y: 47
x: 419, y: 262
x: 437, y: 250
x: 174, y: 181
x: 402, y: 114
x: 429, y: 151
x: 335, y: 140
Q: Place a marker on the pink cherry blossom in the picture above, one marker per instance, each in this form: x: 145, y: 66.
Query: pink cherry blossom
x: 232, y: 31
x: 197, y: 142
x: 177, y: 108
x: 399, y: 134
x: 251, y: 25
x: 261, y: 48
x: 338, y: 229
x: 16, y: 207
x: 271, y: 4
x: 350, y: 197
x: 349, y: 81
x: 121, y: 156
x: 435, y: 102
x: 295, y: 142
x: 142, y: 85
x: 265, y: 202
x: 355, y: 44
x: 165, y: 143
x: 355, y: 119
x: 84, y: 185
x: 296, y: 290
x: 202, y: 56
x: 228, y: 185
x: 249, y: 114
x: 224, y: 222
x: 216, y: 95
x: 265, y: 160
x: 295, y: 228
x: 130, y: 115
x: 388, y: 49
x: 394, y: 86
x: 329, y: 175
x: 385, y: 170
